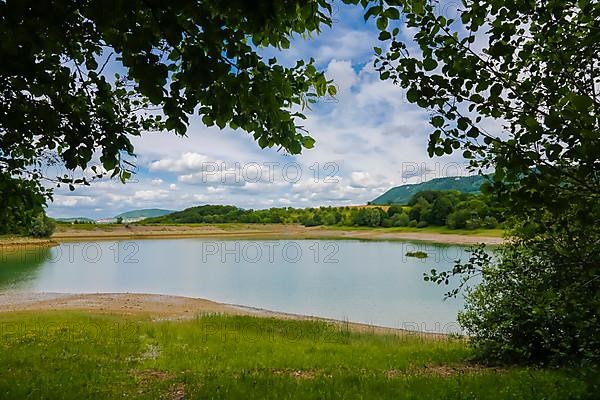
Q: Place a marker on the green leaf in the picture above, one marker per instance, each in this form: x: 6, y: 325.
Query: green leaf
x: 384, y: 35
x: 375, y: 10
x: 429, y: 64
x: 496, y: 90
x: 437, y: 121
x: 91, y: 64
x: 412, y: 95
x: 208, y: 120
x: 477, y: 98
x: 382, y: 23
x: 581, y: 103
x: 308, y: 142
x: 392, y: 13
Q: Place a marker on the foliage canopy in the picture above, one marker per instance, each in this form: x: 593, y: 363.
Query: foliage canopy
x: 81, y: 77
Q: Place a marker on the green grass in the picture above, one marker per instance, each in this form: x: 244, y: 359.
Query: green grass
x: 80, y: 356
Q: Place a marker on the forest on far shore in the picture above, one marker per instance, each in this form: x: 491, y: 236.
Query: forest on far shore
x: 453, y: 209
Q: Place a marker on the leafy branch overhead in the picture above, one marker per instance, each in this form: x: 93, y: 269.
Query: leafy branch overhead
x: 84, y: 76
x: 512, y: 85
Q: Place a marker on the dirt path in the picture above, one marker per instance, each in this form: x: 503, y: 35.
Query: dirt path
x: 260, y: 231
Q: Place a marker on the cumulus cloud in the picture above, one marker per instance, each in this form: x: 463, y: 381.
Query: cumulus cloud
x: 146, y: 195
x: 365, y: 180
x: 186, y: 162
x: 72, y: 201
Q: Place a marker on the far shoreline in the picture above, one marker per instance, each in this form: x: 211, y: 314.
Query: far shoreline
x: 69, y: 233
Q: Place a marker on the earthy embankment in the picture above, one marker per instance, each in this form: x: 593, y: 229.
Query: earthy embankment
x: 163, y: 307
x: 267, y: 231
x: 20, y: 241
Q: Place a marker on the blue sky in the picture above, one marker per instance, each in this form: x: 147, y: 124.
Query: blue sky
x: 369, y: 138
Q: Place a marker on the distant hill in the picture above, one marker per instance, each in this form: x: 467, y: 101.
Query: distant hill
x: 402, y: 194
x: 146, y: 213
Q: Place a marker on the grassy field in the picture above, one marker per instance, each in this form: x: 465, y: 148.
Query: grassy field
x: 93, y: 356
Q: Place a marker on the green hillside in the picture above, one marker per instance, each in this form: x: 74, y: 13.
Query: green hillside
x: 146, y: 213
x: 402, y: 194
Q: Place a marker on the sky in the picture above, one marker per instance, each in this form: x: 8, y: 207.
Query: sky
x: 368, y: 139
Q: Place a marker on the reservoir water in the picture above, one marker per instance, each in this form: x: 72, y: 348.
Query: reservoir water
x: 361, y: 281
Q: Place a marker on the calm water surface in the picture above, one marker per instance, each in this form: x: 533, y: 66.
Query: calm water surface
x: 362, y: 281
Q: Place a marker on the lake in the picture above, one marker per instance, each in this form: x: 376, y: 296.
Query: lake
x: 361, y: 281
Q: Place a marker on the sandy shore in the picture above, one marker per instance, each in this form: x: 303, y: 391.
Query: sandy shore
x: 259, y: 231
x: 163, y: 307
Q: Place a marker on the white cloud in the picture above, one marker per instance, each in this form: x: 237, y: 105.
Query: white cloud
x: 187, y: 162
x: 342, y: 74
x: 365, y: 180
x: 346, y: 44
x: 73, y: 200
x: 146, y: 195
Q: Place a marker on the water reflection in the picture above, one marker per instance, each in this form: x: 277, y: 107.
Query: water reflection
x: 19, y: 266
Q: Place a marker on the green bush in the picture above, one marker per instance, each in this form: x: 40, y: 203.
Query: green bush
x: 400, y: 220
x: 41, y: 226
x: 490, y: 222
x: 473, y: 223
x: 538, y: 301
x: 394, y: 210
x: 422, y: 224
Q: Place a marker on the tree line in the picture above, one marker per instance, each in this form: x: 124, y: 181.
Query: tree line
x: 436, y: 208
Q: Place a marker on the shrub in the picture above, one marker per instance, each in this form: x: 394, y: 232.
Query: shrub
x: 393, y: 210
x: 413, y: 223
x: 41, y: 226
x: 538, y: 301
x: 490, y: 222
x: 422, y: 224
x: 400, y: 220
x: 473, y: 223
x: 314, y: 220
